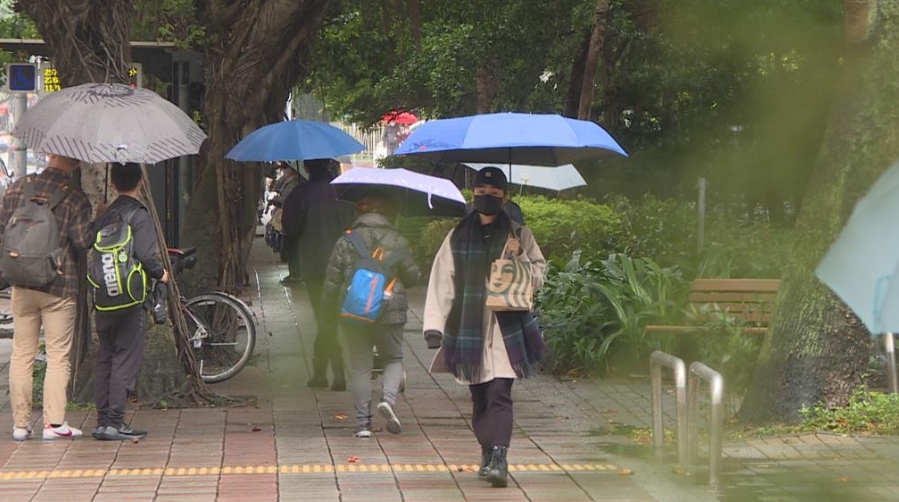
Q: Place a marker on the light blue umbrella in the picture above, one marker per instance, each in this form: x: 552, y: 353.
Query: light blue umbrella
x: 414, y: 194
x: 861, y: 266
x: 294, y: 140
x: 510, y: 138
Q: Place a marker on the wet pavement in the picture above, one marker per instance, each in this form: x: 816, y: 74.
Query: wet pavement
x: 296, y: 444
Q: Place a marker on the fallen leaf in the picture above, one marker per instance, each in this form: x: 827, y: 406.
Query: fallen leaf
x: 609, y: 410
x: 734, y: 420
x: 842, y: 479
x: 255, y: 429
x: 135, y: 440
x: 354, y: 459
x: 377, y: 429
x: 340, y: 416
x: 466, y: 468
x: 625, y: 472
x: 460, y: 469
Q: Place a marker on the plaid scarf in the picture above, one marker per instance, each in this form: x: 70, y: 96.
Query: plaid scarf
x: 463, y: 340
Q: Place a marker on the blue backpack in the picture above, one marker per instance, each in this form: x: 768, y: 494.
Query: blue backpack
x: 372, y: 282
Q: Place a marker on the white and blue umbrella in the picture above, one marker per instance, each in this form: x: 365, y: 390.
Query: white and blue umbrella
x: 510, y: 138
x: 294, y: 140
x: 414, y: 194
x: 551, y: 178
x: 862, y: 266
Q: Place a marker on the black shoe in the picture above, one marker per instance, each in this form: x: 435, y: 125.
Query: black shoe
x: 498, y: 469
x: 339, y: 385
x: 486, y: 455
x: 129, y: 431
x: 110, y: 433
x: 317, y: 382
x: 291, y: 280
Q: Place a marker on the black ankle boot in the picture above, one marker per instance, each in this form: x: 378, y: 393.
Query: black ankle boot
x: 498, y: 469
x: 486, y: 455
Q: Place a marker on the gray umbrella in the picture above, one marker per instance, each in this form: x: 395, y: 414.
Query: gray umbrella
x: 109, y: 123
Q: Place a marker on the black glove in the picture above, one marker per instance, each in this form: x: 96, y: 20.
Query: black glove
x: 433, y: 337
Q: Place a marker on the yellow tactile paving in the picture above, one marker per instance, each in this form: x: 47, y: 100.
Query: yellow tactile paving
x: 291, y: 469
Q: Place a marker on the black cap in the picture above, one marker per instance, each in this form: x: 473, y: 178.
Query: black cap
x: 493, y: 176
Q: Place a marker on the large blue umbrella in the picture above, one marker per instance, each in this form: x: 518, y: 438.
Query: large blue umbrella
x: 294, y: 140
x: 510, y: 138
x: 862, y: 266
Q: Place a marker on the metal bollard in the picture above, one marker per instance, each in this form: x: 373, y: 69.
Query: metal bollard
x: 889, y: 345
x: 656, y: 361
x: 699, y: 371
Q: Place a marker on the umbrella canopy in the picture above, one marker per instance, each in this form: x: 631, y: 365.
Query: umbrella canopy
x: 400, y: 117
x: 861, y: 266
x: 294, y: 140
x: 510, y: 138
x: 552, y: 178
x: 414, y: 194
x: 109, y: 123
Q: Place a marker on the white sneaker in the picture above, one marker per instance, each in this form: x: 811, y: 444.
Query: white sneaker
x: 363, y: 431
x: 21, y: 433
x: 61, y: 432
x: 393, y: 422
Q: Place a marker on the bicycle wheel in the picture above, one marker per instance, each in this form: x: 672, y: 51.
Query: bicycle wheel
x: 224, y: 335
x: 5, y: 305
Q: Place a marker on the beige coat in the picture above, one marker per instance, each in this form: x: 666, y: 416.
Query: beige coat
x: 441, y: 292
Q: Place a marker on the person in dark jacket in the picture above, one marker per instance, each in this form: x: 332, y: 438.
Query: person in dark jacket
x: 290, y: 188
x: 373, y: 226
x: 121, y: 333
x: 324, y: 219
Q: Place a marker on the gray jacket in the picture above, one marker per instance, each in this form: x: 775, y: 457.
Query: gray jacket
x: 376, y: 231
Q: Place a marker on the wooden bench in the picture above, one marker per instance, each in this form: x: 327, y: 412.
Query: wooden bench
x: 749, y: 300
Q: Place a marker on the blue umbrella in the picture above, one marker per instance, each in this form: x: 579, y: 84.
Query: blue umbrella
x: 861, y: 266
x: 294, y: 140
x: 510, y: 138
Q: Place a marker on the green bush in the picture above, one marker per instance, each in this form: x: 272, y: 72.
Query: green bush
x: 594, y: 313
x: 564, y: 226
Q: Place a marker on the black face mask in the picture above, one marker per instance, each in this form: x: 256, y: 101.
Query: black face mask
x: 488, y: 204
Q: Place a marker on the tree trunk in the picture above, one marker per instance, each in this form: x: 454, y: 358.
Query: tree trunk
x: 592, y: 62
x: 576, y: 79
x: 486, y: 86
x: 816, y: 350
x: 251, y: 66
x: 89, y: 43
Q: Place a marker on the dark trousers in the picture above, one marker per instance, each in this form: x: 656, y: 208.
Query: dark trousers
x: 290, y: 253
x: 491, y: 412
x: 121, y: 336
x: 326, y: 347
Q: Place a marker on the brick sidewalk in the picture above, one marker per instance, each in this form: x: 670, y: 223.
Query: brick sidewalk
x: 295, y: 446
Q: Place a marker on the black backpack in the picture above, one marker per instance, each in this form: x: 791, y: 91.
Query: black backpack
x: 31, y: 255
x: 118, y: 279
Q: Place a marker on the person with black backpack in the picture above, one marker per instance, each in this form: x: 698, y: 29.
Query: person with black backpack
x: 44, y: 223
x: 365, y: 286
x: 123, y: 259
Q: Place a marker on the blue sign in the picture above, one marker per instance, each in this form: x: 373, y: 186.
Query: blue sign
x: 21, y: 77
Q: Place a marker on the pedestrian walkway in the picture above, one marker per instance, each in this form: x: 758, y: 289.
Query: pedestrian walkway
x: 296, y: 444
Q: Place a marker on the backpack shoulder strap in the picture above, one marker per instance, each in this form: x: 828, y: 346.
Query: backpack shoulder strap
x: 58, y: 196
x: 395, y: 257
x: 358, y: 244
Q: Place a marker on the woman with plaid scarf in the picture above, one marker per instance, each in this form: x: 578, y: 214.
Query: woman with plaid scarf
x: 485, y: 350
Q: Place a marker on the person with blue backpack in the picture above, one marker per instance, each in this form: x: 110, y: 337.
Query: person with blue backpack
x: 365, y: 286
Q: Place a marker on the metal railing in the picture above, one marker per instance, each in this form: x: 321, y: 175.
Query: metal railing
x: 699, y: 371
x: 889, y: 345
x: 656, y: 361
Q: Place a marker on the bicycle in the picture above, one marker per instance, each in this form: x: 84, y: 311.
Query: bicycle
x: 221, y: 326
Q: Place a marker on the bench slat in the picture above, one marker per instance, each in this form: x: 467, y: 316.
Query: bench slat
x: 753, y: 285
x: 709, y: 297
